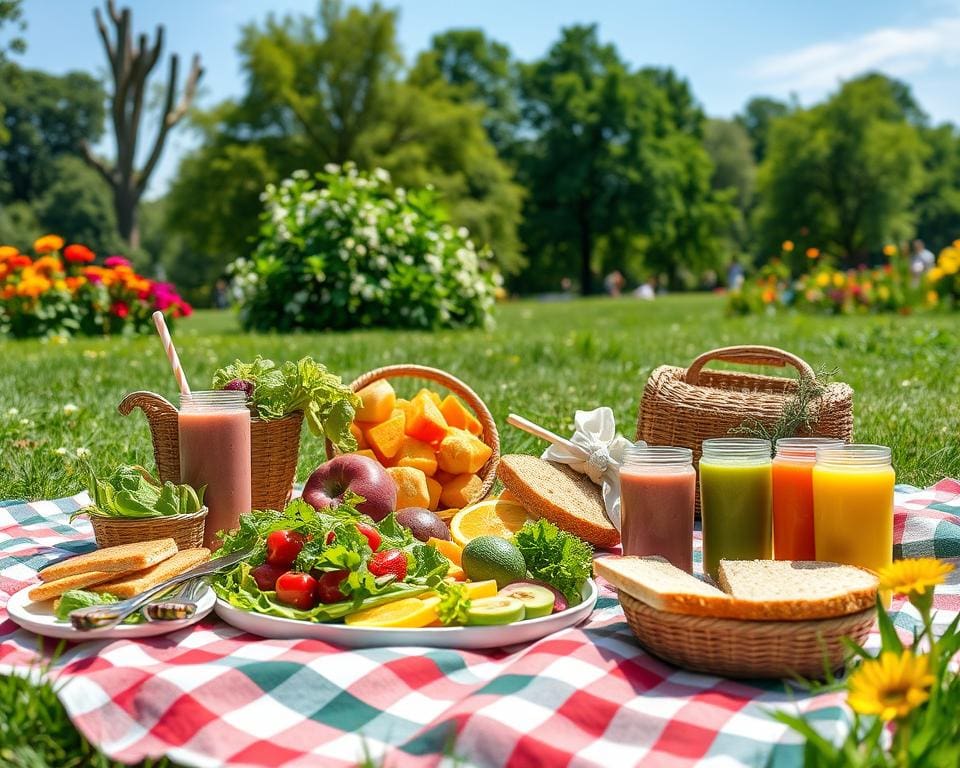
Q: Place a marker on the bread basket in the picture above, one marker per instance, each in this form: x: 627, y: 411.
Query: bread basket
x: 186, y: 530
x: 274, y: 448
x: 747, y: 649
x: 487, y: 473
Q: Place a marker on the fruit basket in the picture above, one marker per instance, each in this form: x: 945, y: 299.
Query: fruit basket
x: 747, y: 649
x: 186, y: 530
x: 486, y: 427
x: 274, y: 448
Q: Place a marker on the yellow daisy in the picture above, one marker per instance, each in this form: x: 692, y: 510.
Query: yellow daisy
x: 914, y: 575
x: 890, y: 687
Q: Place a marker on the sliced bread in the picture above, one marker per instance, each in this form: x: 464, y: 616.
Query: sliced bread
x: 787, y: 589
x: 48, y: 589
x: 140, y: 581
x: 561, y: 495
x: 119, y: 559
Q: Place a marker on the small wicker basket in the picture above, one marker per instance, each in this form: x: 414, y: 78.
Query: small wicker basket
x: 186, y: 530
x: 274, y: 448
x: 685, y: 406
x: 747, y: 649
x: 490, y: 436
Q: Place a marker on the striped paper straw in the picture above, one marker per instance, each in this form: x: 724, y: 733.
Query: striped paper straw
x: 181, y: 377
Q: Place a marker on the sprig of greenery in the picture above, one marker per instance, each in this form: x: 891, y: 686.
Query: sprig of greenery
x: 454, y: 603
x: 131, y: 491
x: 562, y: 560
x: 797, y: 415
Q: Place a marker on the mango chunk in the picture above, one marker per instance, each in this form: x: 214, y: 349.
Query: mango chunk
x: 460, y: 491
x: 434, y: 489
x: 368, y: 453
x: 376, y: 401
x: 459, y: 416
x: 357, y: 431
x: 411, y: 487
x: 387, y: 437
x: 404, y: 405
x: 427, y: 423
x: 449, y: 549
x: 461, y: 453
x: 431, y: 394
x: 416, y: 453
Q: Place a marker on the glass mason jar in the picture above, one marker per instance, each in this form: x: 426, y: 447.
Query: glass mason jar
x: 658, y: 488
x: 735, y: 501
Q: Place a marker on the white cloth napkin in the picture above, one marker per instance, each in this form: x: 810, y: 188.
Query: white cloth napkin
x: 598, y: 454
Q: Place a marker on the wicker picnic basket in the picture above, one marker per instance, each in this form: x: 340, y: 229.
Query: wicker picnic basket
x: 488, y: 473
x: 274, y: 448
x: 186, y: 530
x: 685, y: 406
x: 747, y: 649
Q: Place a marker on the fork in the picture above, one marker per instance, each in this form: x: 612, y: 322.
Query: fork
x: 179, y: 604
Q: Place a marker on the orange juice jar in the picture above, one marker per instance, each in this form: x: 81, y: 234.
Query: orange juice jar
x: 793, y: 496
x: 853, y: 505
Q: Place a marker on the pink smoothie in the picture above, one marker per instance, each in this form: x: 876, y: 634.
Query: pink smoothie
x: 215, y: 452
x: 656, y: 512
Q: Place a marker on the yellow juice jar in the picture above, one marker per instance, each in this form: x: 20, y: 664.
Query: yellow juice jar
x: 853, y: 505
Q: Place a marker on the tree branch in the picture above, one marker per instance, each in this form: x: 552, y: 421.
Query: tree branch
x: 97, y: 164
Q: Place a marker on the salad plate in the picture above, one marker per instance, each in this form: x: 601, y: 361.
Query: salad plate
x: 38, y: 617
x: 465, y: 638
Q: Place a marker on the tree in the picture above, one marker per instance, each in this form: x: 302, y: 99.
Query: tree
x: 130, y: 68
x: 938, y: 203
x: 734, y: 170
x: 11, y: 13
x: 757, y: 119
x: 845, y: 171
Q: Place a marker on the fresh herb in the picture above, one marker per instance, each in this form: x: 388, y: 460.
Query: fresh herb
x: 427, y: 564
x: 454, y: 603
x: 328, y: 405
x: 80, y: 598
x: 797, y: 415
x: 133, y: 492
x: 559, y: 558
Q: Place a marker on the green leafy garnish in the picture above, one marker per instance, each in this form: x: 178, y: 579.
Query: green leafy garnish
x: 562, y: 560
x: 427, y: 564
x: 328, y: 405
x: 133, y: 492
x: 454, y: 603
x: 80, y: 598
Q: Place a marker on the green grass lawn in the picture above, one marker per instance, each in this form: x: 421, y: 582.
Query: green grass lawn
x: 543, y: 361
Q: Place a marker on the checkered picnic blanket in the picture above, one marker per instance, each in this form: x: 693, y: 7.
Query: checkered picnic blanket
x: 213, y: 695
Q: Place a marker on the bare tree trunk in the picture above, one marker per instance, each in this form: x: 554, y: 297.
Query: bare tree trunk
x: 131, y: 67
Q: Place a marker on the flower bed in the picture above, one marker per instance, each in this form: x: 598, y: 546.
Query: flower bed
x: 60, y: 291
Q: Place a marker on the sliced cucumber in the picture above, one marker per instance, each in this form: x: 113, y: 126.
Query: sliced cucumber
x: 495, y: 610
x: 537, y: 600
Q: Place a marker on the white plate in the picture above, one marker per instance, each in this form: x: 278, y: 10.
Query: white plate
x: 39, y: 618
x: 431, y: 637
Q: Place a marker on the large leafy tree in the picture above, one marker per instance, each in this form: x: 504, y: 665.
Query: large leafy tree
x: 327, y: 90
x: 845, y: 171
x: 938, y: 203
x: 614, y: 166
x: 757, y: 119
x: 734, y: 171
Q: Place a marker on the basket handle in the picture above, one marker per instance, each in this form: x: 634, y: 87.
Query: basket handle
x: 749, y: 355
x: 150, y: 403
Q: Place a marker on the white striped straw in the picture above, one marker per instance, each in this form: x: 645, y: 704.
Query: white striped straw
x: 171, y: 351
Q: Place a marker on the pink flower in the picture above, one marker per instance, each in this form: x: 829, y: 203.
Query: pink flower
x: 116, y: 261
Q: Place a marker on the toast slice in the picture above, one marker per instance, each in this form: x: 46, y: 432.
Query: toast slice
x: 134, y: 583
x: 661, y: 585
x: 788, y: 589
x: 560, y: 494
x: 49, y: 589
x: 119, y: 559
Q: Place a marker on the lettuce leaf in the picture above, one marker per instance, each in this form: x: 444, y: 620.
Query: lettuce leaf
x: 131, y: 491
x: 80, y: 598
x: 559, y: 558
x: 454, y: 603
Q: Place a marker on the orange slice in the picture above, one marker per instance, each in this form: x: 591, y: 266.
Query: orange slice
x: 492, y: 517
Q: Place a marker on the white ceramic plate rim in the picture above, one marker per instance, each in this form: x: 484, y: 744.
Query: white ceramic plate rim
x: 45, y: 623
x: 589, y: 595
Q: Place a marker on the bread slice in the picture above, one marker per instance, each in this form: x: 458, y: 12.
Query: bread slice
x: 566, y: 498
x: 657, y: 582
x: 788, y: 589
x: 119, y: 559
x: 140, y: 581
x: 48, y: 589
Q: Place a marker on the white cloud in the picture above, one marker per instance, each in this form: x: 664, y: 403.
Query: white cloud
x: 897, y: 51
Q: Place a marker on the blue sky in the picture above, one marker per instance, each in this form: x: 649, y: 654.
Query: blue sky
x: 729, y: 50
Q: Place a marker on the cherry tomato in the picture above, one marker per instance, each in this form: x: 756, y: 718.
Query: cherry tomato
x: 372, y: 534
x: 389, y: 561
x: 328, y: 586
x: 283, y: 547
x: 266, y: 575
x: 297, y: 589
x: 331, y: 537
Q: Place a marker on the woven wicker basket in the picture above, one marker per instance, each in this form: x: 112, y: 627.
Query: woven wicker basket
x: 186, y: 530
x: 747, y: 649
x: 685, y: 406
x: 274, y: 448
x: 490, y: 436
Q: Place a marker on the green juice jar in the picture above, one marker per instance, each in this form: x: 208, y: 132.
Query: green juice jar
x: 735, y: 501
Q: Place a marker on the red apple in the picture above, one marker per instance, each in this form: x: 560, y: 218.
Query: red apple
x: 329, y: 482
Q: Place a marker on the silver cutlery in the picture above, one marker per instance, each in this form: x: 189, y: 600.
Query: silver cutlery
x: 180, y: 604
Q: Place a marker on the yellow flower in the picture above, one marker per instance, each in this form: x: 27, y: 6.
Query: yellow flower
x: 891, y: 686
x: 914, y: 575
x: 934, y: 274
x: 787, y: 245
x: 889, y: 250
x: 838, y: 279
x: 8, y: 251
x: 932, y: 298
x: 823, y: 279
x: 60, y: 285
x: 883, y: 293
x: 48, y: 243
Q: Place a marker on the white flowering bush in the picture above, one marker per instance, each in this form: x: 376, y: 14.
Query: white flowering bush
x: 346, y: 249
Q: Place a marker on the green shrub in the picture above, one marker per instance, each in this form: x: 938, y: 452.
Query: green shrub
x: 348, y: 250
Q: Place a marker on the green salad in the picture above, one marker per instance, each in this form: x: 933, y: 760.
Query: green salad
x: 132, y: 492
